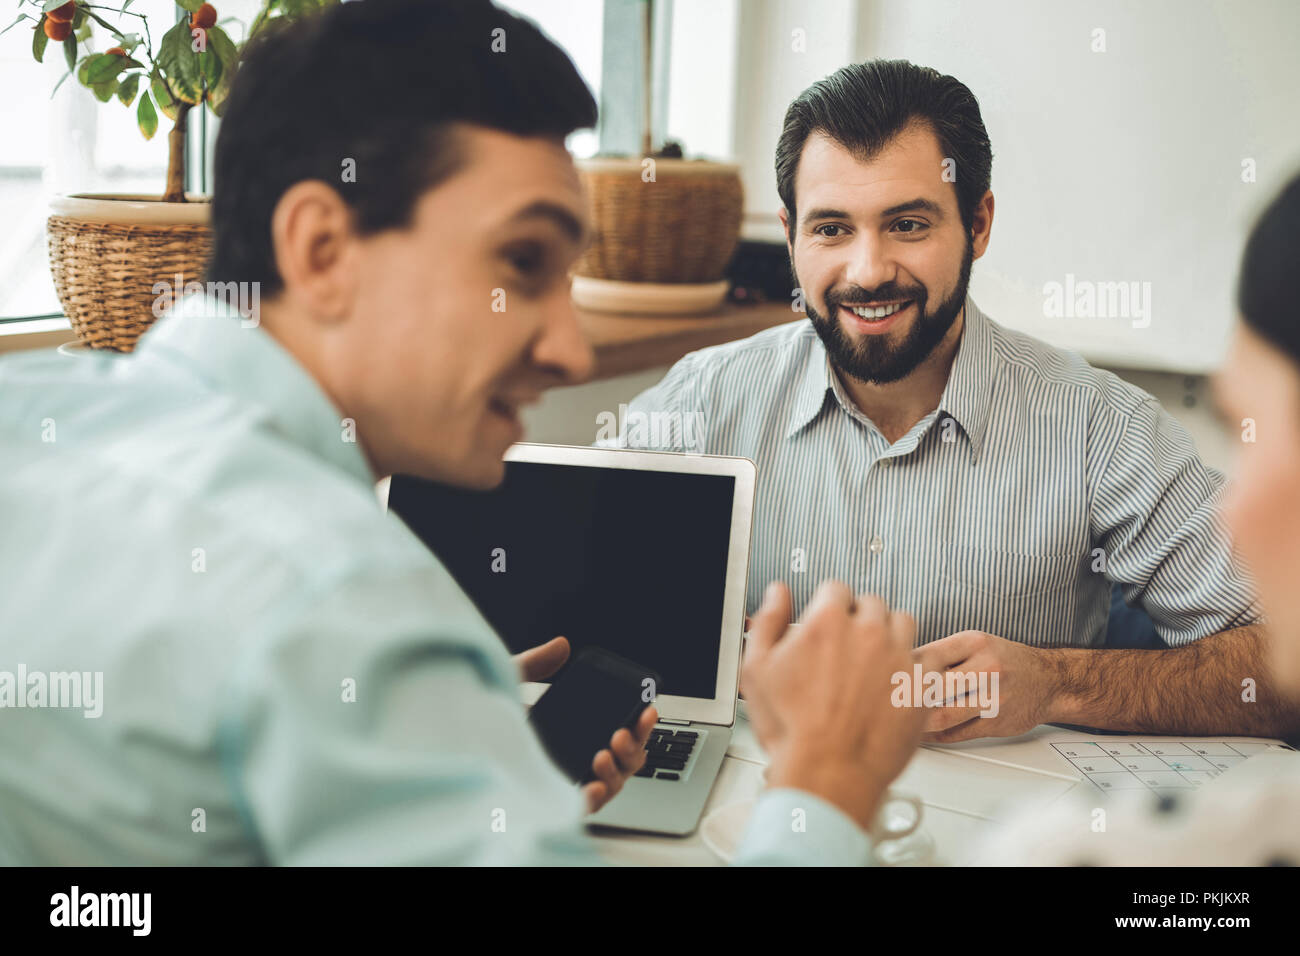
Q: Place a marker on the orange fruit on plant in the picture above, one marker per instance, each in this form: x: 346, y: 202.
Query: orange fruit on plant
x: 63, y: 14
x: 115, y: 50
x: 58, y: 30
x: 204, y: 17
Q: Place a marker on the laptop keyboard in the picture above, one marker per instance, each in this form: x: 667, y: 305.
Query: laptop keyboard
x: 667, y: 752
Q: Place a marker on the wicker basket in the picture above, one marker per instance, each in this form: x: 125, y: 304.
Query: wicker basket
x: 105, y: 271
x: 680, y: 228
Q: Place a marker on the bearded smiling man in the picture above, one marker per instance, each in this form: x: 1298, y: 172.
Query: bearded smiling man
x: 986, y: 483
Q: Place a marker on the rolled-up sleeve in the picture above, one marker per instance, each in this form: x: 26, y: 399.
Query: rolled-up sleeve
x: 1155, y: 516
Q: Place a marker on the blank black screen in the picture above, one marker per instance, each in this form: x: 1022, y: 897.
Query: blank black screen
x: 633, y: 561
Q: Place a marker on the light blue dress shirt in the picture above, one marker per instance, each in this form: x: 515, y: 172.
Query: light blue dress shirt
x: 285, y: 674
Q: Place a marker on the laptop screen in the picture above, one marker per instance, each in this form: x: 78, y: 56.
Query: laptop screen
x: 633, y: 561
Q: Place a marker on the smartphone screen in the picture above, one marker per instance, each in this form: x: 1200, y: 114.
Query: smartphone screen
x: 594, y: 695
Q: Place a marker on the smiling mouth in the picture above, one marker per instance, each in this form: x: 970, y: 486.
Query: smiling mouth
x: 878, y: 313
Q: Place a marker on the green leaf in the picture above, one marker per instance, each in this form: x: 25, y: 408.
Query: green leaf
x: 78, y: 18
x: 82, y: 32
x: 146, y: 117
x: 104, y: 91
x: 126, y: 92
x: 219, y: 42
x: 83, y: 68
x: 190, y: 5
x: 165, y: 101
x: 70, y: 51
x: 39, y: 40
x: 49, y: 5
x: 104, y: 68
x: 180, y: 64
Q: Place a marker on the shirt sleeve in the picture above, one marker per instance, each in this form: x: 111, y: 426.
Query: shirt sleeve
x: 795, y: 828
x: 379, y: 723
x: 1155, y: 517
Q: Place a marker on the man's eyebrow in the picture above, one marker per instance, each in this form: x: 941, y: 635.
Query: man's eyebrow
x: 560, y: 215
x: 823, y: 212
x: 914, y: 205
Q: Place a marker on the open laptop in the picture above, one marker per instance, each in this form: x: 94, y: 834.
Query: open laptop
x: 643, y: 553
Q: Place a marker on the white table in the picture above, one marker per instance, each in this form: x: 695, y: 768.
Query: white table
x: 936, y: 775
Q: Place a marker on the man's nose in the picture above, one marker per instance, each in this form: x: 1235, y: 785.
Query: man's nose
x: 869, y: 265
x: 563, y: 345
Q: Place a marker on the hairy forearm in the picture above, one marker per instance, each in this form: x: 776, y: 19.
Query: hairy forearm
x: 1221, y: 684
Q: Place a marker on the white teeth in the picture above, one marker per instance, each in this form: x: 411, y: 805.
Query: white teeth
x: 880, y: 313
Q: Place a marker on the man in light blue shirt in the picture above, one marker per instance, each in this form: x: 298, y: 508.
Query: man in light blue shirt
x: 272, y: 670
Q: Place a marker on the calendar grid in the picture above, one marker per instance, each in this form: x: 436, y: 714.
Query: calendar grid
x: 1157, y: 765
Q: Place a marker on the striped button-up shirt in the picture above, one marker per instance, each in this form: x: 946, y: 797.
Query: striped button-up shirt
x: 1010, y: 508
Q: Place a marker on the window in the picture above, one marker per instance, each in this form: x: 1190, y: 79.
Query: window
x: 72, y: 143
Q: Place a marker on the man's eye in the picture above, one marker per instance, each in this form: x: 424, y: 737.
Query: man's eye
x: 912, y: 226
x: 821, y: 231
x: 526, y: 262
x: 527, y: 259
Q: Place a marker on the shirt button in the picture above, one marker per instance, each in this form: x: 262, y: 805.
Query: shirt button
x: 876, y: 545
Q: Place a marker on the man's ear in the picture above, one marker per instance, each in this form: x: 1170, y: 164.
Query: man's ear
x: 785, y: 226
x: 316, y: 250
x: 981, y: 226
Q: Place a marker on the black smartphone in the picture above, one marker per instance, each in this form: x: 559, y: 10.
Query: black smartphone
x: 593, y: 695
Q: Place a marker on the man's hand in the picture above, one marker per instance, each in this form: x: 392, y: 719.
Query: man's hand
x: 1024, y: 696
x: 626, y: 752
x: 819, y: 699
x: 624, y: 757
x: 540, y: 662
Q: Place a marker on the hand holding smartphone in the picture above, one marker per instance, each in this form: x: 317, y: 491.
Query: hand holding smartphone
x: 592, y: 696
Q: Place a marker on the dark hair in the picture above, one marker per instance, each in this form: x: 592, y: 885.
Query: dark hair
x: 863, y: 106
x: 1266, y: 287
x: 380, y: 82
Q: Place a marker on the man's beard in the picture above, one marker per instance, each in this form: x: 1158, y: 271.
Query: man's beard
x: 874, y: 359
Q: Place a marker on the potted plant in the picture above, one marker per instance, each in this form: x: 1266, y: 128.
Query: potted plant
x: 664, y: 227
x: 110, y: 252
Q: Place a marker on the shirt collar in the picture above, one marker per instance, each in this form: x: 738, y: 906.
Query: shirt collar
x: 242, y: 360
x: 969, y: 391
x: 814, y: 382
x: 965, y: 397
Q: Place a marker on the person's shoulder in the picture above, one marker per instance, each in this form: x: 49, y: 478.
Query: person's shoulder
x: 767, y: 350
x: 1039, y: 365
x: 729, y: 371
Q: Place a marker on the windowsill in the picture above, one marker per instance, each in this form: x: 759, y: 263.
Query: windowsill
x: 35, y: 334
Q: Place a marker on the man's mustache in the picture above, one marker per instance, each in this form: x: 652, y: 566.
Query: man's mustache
x: 838, y: 297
